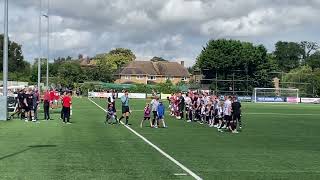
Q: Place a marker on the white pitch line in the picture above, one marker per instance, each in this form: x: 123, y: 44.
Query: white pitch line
x: 157, y: 148
x: 180, y: 174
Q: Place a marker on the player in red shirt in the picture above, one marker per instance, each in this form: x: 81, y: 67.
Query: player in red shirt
x: 46, y: 105
x: 56, y: 98
x: 66, y: 102
x: 52, y: 92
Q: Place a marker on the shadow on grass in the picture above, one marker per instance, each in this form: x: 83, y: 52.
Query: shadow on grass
x: 26, y: 149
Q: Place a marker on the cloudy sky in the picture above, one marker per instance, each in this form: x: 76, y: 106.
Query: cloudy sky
x: 173, y: 29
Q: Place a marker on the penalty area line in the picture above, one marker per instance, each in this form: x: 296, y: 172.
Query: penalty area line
x: 194, y: 175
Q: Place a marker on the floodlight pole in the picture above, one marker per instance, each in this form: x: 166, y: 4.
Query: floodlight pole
x: 5, y: 58
x: 40, y: 48
x: 48, y: 44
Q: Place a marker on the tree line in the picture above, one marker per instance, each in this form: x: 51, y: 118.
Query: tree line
x: 237, y: 66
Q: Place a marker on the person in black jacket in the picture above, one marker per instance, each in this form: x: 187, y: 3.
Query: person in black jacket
x: 236, y: 112
x: 29, y: 108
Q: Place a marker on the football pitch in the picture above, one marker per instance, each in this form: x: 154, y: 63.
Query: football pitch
x: 278, y: 141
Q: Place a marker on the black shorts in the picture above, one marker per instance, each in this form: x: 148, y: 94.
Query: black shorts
x: 228, y: 118
x: 216, y: 112
x: 113, y: 108
x: 125, y: 109
x: 181, y: 108
x: 28, y: 108
x: 236, y: 116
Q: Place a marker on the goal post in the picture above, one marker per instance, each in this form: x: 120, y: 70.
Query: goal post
x: 275, y: 95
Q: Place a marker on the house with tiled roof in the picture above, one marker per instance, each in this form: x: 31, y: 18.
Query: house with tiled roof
x: 148, y: 72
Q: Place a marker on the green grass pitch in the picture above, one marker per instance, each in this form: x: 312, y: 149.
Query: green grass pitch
x: 280, y: 142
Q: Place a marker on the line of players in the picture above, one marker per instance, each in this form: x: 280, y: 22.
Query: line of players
x: 205, y: 109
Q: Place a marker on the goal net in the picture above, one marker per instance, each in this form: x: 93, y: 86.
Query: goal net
x: 275, y: 95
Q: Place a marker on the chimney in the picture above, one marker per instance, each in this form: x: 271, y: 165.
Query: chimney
x: 182, y: 63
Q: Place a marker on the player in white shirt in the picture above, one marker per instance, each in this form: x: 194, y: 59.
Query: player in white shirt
x: 227, y: 114
x: 220, y: 116
x: 216, y: 103
x: 203, y: 113
x: 188, y: 103
x: 227, y: 109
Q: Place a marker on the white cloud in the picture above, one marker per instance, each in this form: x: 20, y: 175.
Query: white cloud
x: 71, y: 39
x: 136, y: 19
x: 182, y: 10
x: 173, y: 29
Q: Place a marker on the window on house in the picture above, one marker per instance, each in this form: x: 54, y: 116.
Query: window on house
x: 184, y: 79
x: 140, y: 77
x: 127, y: 77
x: 152, y: 78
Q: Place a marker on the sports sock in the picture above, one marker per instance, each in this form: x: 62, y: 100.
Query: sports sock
x: 127, y: 120
x: 222, y: 124
x: 164, y: 124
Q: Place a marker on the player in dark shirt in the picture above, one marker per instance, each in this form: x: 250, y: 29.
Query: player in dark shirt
x: 28, y: 101
x: 236, y: 111
x: 18, y: 109
x: 21, y: 105
x: 181, y: 106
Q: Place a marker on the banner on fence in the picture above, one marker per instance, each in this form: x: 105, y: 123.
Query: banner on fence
x: 164, y: 96
x: 270, y: 99
x: 245, y: 98
x: 150, y: 96
x: 310, y: 100
x: 293, y: 100
x: 99, y: 94
x: 134, y: 95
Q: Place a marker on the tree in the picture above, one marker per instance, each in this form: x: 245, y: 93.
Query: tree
x: 304, y: 79
x: 157, y: 59
x: 103, y: 72
x: 70, y: 73
x: 308, y: 48
x: 16, y: 61
x: 288, y: 55
x: 109, y: 63
x: 231, y: 58
x: 116, y: 58
x: 124, y: 53
x: 314, y: 60
x: 34, y: 70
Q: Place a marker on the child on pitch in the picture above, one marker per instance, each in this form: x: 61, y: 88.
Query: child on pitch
x: 202, y: 113
x: 111, y: 117
x: 154, y: 106
x: 160, y: 113
x: 211, y: 115
x: 147, y: 115
x: 216, y: 111
x: 207, y: 113
x: 220, y: 117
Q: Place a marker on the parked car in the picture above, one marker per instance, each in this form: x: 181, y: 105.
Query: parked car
x: 11, y: 103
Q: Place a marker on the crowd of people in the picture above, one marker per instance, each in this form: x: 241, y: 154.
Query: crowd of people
x: 28, y: 101
x: 223, y: 114
x: 211, y: 110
